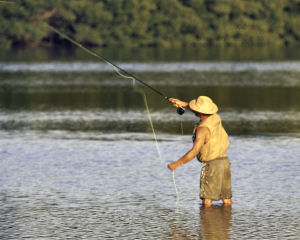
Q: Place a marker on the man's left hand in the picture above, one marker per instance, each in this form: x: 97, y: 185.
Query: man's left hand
x: 173, y: 165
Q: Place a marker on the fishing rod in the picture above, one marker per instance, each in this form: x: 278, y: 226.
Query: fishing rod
x: 126, y: 74
x: 120, y: 70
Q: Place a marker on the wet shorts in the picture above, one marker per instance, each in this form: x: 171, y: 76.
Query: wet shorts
x: 215, y: 180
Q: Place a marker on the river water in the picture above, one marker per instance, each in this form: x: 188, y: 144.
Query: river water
x: 78, y: 159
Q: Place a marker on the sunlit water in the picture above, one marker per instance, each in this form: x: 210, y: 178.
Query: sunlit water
x: 78, y: 160
x: 74, y: 188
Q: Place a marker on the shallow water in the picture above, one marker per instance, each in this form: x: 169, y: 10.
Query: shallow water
x: 78, y: 160
x: 55, y: 188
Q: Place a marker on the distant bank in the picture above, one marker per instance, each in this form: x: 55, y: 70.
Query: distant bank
x: 151, y: 23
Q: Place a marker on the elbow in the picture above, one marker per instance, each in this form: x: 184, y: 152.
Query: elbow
x: 194, y: 152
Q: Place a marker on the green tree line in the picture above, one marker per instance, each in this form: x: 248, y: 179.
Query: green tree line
x: 155, y: 23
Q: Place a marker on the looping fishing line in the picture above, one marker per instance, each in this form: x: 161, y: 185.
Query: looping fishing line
x: 174, y: 182
x: 154, y: 134
x: 152, y: 127
x: 181, y: 126
x: 155, y: 138
x: 117, y: 70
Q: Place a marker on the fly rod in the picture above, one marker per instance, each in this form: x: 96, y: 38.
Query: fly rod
x: 120, y: 70
x: 126, y: 74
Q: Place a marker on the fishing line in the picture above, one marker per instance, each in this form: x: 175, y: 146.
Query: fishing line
x: 127, y: 75
x: 115, y: 67
x: 152, y: 127
x: 156, y: 142
x: 120, y: 71
x: 181, y: 126
x: 175, y: 186
x: 147, y: 108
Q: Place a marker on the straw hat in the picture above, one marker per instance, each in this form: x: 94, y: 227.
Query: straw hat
x: 204, y: 105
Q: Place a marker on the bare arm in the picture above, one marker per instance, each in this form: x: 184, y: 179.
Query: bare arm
x: 201, y: 136
x: 178, y: 103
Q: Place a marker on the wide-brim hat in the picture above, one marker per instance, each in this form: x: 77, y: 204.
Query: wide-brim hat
x: 204, y: 105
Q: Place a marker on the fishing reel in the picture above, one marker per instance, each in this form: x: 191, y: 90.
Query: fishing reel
x: 180, y: 110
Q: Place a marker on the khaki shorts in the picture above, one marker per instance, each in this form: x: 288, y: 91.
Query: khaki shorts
x: 215, y: 180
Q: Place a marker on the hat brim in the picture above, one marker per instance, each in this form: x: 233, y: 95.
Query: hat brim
x: 211, y: 109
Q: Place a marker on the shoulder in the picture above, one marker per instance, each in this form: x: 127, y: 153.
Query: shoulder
x: 202, y: 136
x: 202, y: 131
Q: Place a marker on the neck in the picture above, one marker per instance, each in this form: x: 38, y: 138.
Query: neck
x: 203, y: 116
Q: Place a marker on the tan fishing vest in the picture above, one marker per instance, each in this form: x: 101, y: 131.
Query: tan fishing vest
x: 217, y: 143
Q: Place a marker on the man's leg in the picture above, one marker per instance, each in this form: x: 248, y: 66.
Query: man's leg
x: 226, y: 184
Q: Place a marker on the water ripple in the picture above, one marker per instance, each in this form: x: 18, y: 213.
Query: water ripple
x: 109, y: 121
x: 293, y: 66
x: 58, y: 189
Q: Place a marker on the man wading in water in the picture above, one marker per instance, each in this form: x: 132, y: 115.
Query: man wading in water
x: 210, y: 145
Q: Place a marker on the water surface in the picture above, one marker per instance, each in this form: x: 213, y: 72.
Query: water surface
x: 78, y: 159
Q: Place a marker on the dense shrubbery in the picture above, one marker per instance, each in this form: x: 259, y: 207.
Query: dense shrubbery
x: 136, y: 23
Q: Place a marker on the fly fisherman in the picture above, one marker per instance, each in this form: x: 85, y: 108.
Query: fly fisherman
x: 210, y: 145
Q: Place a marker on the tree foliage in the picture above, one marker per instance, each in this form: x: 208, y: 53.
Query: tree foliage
x: 139, y: 23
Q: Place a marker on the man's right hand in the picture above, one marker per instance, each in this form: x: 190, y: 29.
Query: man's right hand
x: 178, y: 103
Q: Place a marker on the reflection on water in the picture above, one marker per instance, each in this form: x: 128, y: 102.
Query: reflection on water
x: 251, y: 102
x: 155, y: 54
x: 77, y: 157
x: 215, y: 222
